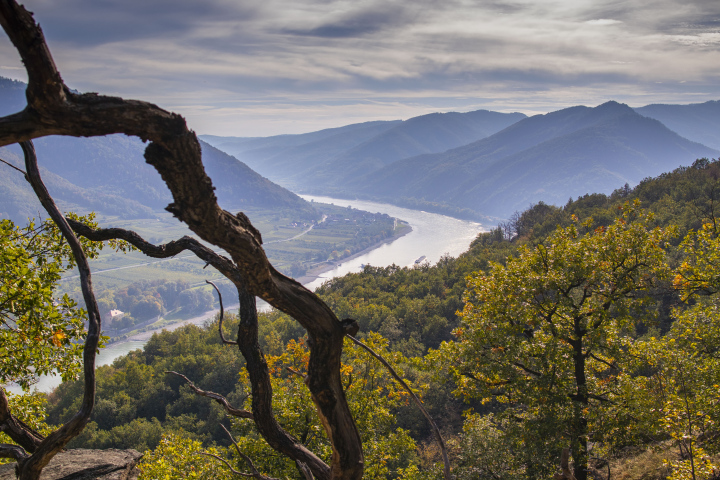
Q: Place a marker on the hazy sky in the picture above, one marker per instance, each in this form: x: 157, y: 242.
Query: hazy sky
x: 250, y: 68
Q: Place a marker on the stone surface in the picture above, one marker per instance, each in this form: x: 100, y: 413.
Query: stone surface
x: 81, y: 464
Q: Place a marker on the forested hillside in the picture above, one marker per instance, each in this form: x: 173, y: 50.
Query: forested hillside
x: 500, y: 420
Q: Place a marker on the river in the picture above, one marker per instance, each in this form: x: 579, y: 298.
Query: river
x: 433, y: 235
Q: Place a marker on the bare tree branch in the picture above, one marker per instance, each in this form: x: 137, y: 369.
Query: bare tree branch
x: 262, y: 392
x: 417, y: 401
x: 259, y: 374
x: 235, y: 412
x: 222, y: 315
x: 255, y: 472
x: 13, y: 451
x: 299, y: 374
x: 306, y: 471
x: 13, y: 166
x: 236, y: 472
x: 31, y: 468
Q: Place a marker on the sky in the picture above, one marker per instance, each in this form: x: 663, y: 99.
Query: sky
x: 259, y: 68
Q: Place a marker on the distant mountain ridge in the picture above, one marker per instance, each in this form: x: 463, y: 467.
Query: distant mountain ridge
x: 547, y: 158
x: 109, y: 175
x: 470, y: 164
x: 699, y: 122
x: 433, y: 162
x: 334, y: 156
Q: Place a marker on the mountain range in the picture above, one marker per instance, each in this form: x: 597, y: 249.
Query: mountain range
x: 485, y: 162
x: 338, y: 155
x: 475, y: 165
x: 109, y: 175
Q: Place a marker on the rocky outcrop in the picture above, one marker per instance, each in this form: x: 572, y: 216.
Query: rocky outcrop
x: 84, y: 464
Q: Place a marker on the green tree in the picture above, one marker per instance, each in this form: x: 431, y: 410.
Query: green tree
x: 178, y: 457
x: 545, y: 336
x: 40, y: 331
x: 684, y: 365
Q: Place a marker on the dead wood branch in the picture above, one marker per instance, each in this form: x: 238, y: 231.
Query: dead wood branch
x: 247, y: 341
x: 13, y: 451
x: 16, y: 429
x: 222, y: 315
x: 235, y: 412
x: 30, y: 468
x: 174, y: 151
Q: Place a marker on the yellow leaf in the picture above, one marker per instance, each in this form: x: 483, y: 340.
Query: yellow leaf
x: 57, y: 338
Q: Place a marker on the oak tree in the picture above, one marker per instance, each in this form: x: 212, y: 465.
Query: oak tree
x: 546, y: 335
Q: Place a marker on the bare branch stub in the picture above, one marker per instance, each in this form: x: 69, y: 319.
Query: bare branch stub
x: 222, y: 315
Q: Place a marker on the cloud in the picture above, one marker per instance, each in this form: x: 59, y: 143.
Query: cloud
x: 701, y: 40
x: 214, y: 56
x: 358, y: 23
x: 603, y: 21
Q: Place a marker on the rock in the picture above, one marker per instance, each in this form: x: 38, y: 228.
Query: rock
x: 82, y: 464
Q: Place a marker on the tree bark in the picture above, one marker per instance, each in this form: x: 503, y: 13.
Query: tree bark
x: 14, y: 428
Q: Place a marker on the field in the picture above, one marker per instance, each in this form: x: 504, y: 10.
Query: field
x: 293, y: 246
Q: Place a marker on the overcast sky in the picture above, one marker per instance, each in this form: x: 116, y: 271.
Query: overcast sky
x: 255, y: 68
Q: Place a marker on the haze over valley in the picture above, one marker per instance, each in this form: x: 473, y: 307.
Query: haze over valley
x: 486, y: 164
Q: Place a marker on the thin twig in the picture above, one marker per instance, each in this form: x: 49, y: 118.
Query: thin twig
x: 236, y: 472
x: 436, y: 430
x: 255, y: 472
x: 13, y: 166
x: 305, y: 470
x: 222, y: 315
x: 235, y: 412
x: 299, y: 374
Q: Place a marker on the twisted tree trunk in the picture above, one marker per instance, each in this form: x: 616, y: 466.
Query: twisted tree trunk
x: 174, y: 151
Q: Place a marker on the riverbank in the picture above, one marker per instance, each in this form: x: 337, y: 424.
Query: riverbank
x: 316, y: 272
x: 432, y: 236
x: 166, y: 324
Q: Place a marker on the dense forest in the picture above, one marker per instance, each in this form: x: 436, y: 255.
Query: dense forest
x: 590, y: 326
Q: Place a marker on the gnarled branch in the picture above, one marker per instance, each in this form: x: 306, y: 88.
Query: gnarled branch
x: 235, y: 412
x: 247, y: 341
x: 16, y: 429
x: 174, y: 151
x: 13, y: 451
x: 30, y: 468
